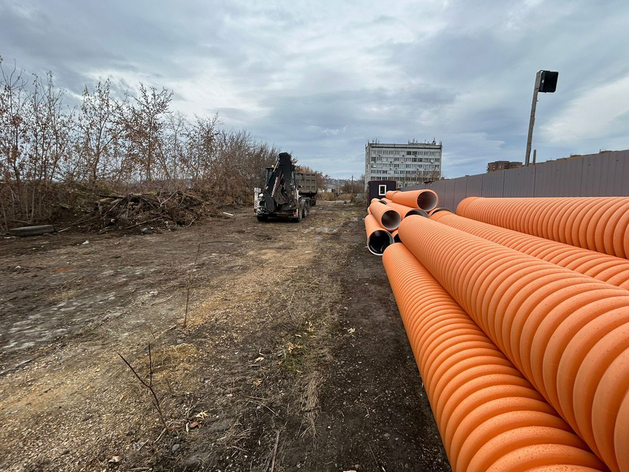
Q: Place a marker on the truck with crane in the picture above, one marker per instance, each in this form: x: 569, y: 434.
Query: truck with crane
x: 286, y: 192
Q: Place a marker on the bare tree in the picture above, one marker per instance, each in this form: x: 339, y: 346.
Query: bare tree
x: 49, y: 128
x: 144, y: 124
x: 201, y: 147
x: 99, y: 132
x: 13, y: 124
x: 116, y: 141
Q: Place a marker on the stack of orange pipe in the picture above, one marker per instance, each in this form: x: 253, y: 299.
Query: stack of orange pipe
x: 438, y: 210
x: 386, y: 217
x: 404, y: 210
x: 596, y: 223
x: 489, y: 417
x: 423, y: 199
x: 610, y: 269
x: 378, y: 238
x: 567, y: 333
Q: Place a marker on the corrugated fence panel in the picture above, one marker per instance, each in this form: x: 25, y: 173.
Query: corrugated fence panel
x: 474, y: 187
x: 545, y: 180
x: 520, y: 182
x: 448, y: 194
x: 439, y: 187
x: 610, y: 166
x: 570, y: 177
x: 596, y: 175
x: 559, y: 179
x: 460, y: 192
x: 493, y: 184
x: 592, y: 174
x: 621, y: 177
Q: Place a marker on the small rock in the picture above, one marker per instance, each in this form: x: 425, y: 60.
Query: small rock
x: 175, y: 447
x: 194, y: 461
x: 84, y: 243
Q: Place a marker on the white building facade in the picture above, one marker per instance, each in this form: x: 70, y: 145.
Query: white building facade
x: 407, y: 164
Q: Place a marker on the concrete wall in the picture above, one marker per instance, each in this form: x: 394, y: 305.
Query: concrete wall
x: 595, y: 175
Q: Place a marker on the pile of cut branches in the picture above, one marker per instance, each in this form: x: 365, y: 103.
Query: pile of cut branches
x: 145, y: 212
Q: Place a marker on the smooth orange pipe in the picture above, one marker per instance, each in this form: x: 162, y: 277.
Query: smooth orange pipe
x: 378, y: 238
x: 390, y: 193
x: 404, y: 210
x: 489, y: 416
x: 614, y: 270
x: 423, y: 199
x: 386, y: 217
x: 567, y: 333
x: 596, y: 223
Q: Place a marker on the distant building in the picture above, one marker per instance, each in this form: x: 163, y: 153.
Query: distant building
x: 503, y: 165
x: 407, y: 164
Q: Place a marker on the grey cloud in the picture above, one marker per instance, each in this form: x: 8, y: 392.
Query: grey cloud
x: 323, y: 78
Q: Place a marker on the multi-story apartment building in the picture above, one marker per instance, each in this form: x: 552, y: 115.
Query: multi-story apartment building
x: 407, y: 164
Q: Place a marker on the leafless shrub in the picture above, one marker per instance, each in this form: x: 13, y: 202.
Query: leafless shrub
x: 49, y: 150
x: 149, y: 386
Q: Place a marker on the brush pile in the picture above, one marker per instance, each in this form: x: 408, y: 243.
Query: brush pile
x: 145, y: 212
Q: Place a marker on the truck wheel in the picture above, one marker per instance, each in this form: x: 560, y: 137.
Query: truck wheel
x: 299, y: 214
x: 305, y: 210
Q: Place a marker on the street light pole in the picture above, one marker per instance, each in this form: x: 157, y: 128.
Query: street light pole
x: 532, y: 119
x: 545, y: 82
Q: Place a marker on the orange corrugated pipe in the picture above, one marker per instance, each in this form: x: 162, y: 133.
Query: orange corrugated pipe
x: 396, y: 236
x: 390, y: 194
x: 489, y: 416
x: 378, y: 238
x: 566, y: 332
x: 438, y: 210
x: 610, y: 269
x: 424, y: 199
x: 597, y: 223
x: 404, y: 210
x: 386, y: 217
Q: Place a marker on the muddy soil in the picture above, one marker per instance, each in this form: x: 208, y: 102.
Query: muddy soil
x: 290, y: 356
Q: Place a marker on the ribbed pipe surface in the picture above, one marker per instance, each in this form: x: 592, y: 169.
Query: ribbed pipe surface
x: 378, y: 238
x: 597, y: 223
x: 438, y: 210
x: 566, y: 332
x: 404, y: 210
x: 423, y: 199
x: 489, y: 416
x: 386, y: 217
x: 610, y: 269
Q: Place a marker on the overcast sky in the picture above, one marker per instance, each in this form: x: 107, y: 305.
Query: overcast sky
x: 323, y: 78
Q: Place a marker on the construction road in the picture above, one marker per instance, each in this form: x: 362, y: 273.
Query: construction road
x: 293, y: 355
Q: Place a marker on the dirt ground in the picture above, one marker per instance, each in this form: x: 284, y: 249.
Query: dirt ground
x: 293, y: 356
